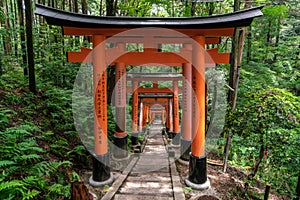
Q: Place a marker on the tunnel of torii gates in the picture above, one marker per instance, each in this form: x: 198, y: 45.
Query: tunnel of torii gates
x: 202, y: 31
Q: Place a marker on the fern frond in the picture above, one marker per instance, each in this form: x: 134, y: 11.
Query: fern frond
x: 10, y: 170
x: 10, y: 185
x: 31, y: 194
x: 30, y: 180
x: 34, y: 157
x: 65, y: 163
x: 41, y: 168
x: 5, y: 163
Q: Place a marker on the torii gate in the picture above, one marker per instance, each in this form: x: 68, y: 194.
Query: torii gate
x: 174, y: 77
x: 203, y: 30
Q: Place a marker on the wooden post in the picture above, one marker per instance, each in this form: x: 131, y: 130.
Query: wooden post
x: 197, y: 178
x: 135, y: 105
x: 186, y: 129
x: 120, y: 137
x: 226, y: 153
x: 267, y: 192
x: 298, y: 186
x: 101, y: 171
x: 176, y: 132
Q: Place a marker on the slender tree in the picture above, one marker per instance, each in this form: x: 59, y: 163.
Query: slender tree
x: 7, y: 39
x: 110, y: 11
x: 22, y: 36
x: 84, y: 4
x: 29, y: 39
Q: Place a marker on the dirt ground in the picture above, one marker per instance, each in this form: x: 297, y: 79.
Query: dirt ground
x: 225, y: 186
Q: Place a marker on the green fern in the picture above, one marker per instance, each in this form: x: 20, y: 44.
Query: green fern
x: 5, y: 163
x: 30, y: 157
x: 10, y: 185
x: 30, y: 194
x: 9, y: 170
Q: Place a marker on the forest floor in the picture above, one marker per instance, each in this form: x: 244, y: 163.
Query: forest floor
x: 225, y: 186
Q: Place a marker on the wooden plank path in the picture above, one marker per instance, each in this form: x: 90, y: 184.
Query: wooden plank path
x: 150, y: 176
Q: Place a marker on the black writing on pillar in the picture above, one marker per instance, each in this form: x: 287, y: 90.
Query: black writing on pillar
x: 194, y: 99
x: 120, y: 90
x: 100, y: 134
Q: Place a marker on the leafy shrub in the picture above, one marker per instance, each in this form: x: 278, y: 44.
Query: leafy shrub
x: 270, y: 117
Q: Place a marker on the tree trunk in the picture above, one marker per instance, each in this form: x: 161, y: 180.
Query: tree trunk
x: 13, y: 9
x: 277, y: 38
x: 233, y: 58
x: 22, y: 36
x: 84, y: 5
x: 76, y: 6
x: 30, y: 53
x: 101, y: 8
x: 80, y: 192
x: 110, y: 11
x: 298, y: 187
x: 236, y: 56
x: 268, y: 41
x: 256, y: 166
x: 70, y: 6
x: 193, y: 8
x: 7, y: 39
x: 249, y: 44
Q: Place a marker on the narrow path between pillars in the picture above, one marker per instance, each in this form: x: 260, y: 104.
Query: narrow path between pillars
x: 152, y: 174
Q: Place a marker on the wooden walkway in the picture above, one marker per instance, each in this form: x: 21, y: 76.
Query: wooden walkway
x: 150, y: 176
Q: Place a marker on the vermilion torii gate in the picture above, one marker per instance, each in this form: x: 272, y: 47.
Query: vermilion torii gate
x: 192, y: 33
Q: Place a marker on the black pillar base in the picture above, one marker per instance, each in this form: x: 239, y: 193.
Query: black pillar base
x: 120, y: 152
x: 171, y: 135
x: 198, y: 173
x: 163, y: 131
x: 101, y: 171
x: 167, y: 130
x: 134, y: 139
x: 176, y: 139
x: 185, y: 149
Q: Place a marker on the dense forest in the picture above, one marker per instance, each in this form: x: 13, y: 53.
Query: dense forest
x: 40, y: 151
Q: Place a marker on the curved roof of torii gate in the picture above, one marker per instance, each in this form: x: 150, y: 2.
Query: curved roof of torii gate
x: 63, y: 18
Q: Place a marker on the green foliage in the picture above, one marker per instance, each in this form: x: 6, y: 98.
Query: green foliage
x: 269, y: 117
x: 2, y: 16
x: 24, y: 171
x: 275, y: 11
x: 35, y: 159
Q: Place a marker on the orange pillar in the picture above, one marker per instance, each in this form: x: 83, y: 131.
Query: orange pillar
x: 120, y: 137
x: 170, y: 109
x: 101, y: 171
x: 167, y: 118
x: 186, y: 128
x: 141, y: 116
x: 135, y: 105
x: 197, y: 169
x: 145, y: 117
x: 163, y: 117
x: 152, y: 116
x: 176, y: 132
